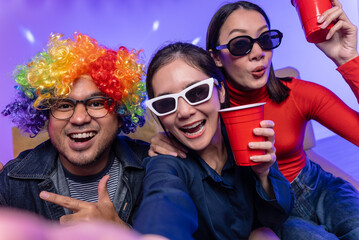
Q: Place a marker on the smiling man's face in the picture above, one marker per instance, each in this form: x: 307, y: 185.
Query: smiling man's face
x: 83, y: 142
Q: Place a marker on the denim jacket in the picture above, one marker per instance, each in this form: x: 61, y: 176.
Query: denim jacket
x: 33, y: 171
x: 187, y: 199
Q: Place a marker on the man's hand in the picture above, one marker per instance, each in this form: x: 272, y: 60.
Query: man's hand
x: 86, y: 211
x: 1, y: 166
x: 161, y: 144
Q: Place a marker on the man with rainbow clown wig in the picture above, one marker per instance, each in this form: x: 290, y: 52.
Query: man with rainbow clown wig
x: 84, y: 94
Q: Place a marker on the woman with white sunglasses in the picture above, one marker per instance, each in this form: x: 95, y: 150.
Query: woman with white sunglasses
x: 206, y: 195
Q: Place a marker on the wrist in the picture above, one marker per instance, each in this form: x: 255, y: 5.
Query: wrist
x: 341, y: 61
x: 263, y: 176
x: 264, y: 180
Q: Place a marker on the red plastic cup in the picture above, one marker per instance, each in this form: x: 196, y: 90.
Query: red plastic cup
x: 240, y: 122
x: 309, y: 11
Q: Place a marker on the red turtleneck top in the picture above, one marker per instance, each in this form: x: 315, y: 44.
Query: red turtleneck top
x: 306, y: 101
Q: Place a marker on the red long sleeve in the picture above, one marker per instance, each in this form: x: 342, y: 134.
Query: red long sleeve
x: 350, y: 72
x: 306, y: 101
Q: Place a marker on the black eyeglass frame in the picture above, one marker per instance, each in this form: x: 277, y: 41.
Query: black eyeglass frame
x: 110, y: 101
x: 252, y: 41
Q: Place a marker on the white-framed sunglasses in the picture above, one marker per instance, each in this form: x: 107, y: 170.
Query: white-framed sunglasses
x: 195, y: 94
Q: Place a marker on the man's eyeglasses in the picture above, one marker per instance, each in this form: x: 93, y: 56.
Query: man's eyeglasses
x: 96, y: 107
x: 195, y: 94
x: 242, y: 45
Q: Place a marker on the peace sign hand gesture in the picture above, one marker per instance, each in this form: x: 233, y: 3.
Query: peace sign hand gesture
x: 103, y: 209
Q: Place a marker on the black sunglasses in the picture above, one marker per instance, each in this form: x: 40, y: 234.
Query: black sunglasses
x: 242, y: 45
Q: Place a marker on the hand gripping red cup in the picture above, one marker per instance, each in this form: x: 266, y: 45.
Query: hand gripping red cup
x: 240, y: 122
x: 309, y: 11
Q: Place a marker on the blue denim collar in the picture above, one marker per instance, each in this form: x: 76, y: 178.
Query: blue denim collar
x: 125, y: 154
x: 33, y: 164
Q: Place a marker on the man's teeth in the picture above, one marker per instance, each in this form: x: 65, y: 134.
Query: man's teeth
x: 82, y: 135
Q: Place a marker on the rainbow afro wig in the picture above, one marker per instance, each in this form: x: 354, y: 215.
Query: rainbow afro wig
x: 51, y: 73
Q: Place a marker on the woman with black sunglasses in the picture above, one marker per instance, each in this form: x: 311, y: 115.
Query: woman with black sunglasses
x: 240, y: 40
x: 321, y: 199
x: 206, y: 195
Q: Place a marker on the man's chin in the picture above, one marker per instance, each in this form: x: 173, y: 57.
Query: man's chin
x: 82, y: 160
x: 79, y: 159
x: 88, y: 162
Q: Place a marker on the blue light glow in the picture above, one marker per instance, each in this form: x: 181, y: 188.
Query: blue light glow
x: 28, y: 35
x: 155, y: 25
x: 196, y: 40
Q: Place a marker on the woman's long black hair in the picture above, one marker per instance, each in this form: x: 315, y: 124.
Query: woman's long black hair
x: 194, y: 56
x: 277, y: 91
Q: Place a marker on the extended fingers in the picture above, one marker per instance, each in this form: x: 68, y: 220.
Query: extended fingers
x: 267, y: 146
x: 334, y: 14
x: 334, y: 29
x: 63, y: 201
x: 267, y: 124
x: 264, y: 132
x: 269, y: 149
x: 269, y: 157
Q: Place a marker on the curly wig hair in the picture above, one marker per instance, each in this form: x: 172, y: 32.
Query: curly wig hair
x: 51, y: 73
